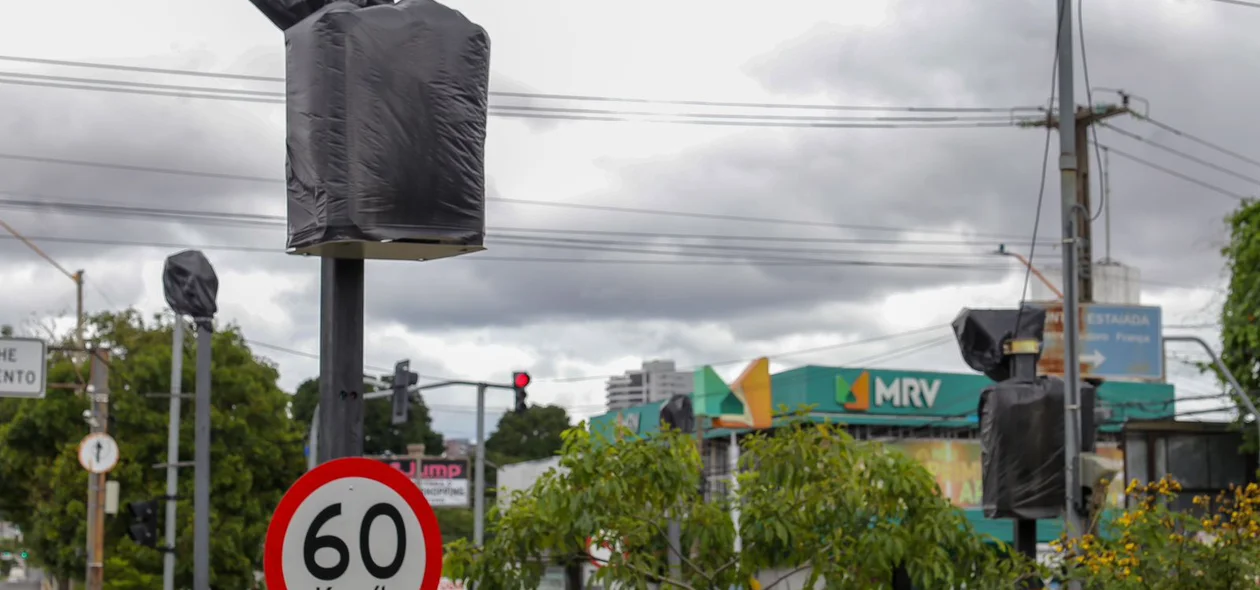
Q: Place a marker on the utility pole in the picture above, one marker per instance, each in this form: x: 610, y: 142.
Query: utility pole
x: 1086, y: 117
x: 201, y: 467
x: 1071, y: 298
x: 79, y: 319
x: 98, y: 394
x: 172, y: 452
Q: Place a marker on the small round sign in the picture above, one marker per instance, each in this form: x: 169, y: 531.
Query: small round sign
x: 98, y: 453
x: 353, y: 523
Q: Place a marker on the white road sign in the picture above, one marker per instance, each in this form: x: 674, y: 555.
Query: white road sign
x: 98, y: 453
x: 23, y: 363
x: 353, y: 524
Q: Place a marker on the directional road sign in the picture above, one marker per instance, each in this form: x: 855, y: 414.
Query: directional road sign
x: 98, y: 453
x: 353, y: 524
x: 22, y: 364
x: 1117, y: 342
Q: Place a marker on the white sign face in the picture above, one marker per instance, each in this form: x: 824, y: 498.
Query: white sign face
x: 353, y: 524
x: 98, y: 453
x: 446, y: 493
x: 23, y: 363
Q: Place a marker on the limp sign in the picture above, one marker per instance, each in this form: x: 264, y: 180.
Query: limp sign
x: 23, y: 368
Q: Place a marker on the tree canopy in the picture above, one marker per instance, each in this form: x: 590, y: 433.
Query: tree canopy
x: 811, y: 500
x: 256, y: 455
x: 1240, y: 332
x: 533, y: 434
x: 379, y: 433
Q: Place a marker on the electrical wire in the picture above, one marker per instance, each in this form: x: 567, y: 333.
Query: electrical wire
x: 541, y: 96
x: 1089, y: 97
x: 534, y: 112
x: 44, y: 203
x: 1174, y: 173
x: 1239, y: 3
x: 1045, y: 165
x: 1179, y: 153
x: 1196, y: 139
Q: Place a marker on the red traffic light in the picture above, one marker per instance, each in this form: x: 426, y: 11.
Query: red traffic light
x: 520, y: 379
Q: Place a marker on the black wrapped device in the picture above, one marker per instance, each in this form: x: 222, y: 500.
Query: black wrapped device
x: 387, y: 106
x: 982, y: 334
x: 1021, y: 435
x: 679, y: 413
x: 191, y: 286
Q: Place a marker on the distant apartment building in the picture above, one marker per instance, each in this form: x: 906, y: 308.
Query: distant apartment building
x: 655, y: 381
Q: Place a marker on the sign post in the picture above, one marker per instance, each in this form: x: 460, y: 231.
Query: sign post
x: 23, y: 368
x: 353, y: 523
x: 1117, y: 342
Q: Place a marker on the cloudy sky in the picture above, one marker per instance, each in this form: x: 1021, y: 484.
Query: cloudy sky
x: 574, y: 293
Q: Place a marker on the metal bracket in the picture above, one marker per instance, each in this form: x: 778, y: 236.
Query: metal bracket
x: 176, y: 464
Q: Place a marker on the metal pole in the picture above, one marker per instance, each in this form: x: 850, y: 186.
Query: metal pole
x: 734, y: 465
x: 479, y: 475
x: 201, y: 494
x: 341, y: 359
x: 1071, y: 299
x: 1229, y: 376
x: 172, y: 452
x: 98, y: 395
x: 78, y: 309
x: 1106, y: 174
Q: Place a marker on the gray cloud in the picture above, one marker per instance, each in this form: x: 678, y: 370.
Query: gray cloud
x: 565, y: 315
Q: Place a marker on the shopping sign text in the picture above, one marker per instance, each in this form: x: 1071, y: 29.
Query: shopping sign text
x: 907, y: 392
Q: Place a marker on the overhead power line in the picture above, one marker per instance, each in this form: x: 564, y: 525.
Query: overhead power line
x: 36, y: 202
x: 552, y: 113
x: 1181, y: 154
x: 1196, y: 139
x: 541, y: 96
x: 701, y: 258
x: 531, y: 202
x: 1171, y: 172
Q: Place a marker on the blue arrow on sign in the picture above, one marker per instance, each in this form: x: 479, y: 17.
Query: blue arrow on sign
x: 1117, y: 342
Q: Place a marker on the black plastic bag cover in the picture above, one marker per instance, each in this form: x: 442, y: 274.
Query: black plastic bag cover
x: 191, y: 286
x: 1021, y: 437
x: 386, y: 121
x: 982, y: 332
x: 678, y: 413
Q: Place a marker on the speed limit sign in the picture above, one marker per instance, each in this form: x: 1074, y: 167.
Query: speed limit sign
x: 353, y: 524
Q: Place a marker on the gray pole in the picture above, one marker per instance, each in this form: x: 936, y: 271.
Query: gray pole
x: 201, y: 496
x: 1229, y: 376
x: 479, y: 473
x: 340, y: 359
x: 172, y: 453
x: 1071, y: 298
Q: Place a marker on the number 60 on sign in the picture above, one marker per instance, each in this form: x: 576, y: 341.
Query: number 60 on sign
x: 353, y: 524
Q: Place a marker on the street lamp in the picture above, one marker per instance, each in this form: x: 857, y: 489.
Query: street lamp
x: 1002, y: 251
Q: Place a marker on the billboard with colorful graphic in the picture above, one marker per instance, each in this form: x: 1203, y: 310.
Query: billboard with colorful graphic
x: 956, y: 465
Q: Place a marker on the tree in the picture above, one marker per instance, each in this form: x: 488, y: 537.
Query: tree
x: 1151, y: 546
x: 379, y: 433
x: 811, y: 500
x: 533, y: 434
x: 255, y: 456
x: 1240, y: 332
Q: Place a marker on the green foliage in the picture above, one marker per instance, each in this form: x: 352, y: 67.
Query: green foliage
x: 256, y: 455
x: 379, y: 434
x: 528, y: 436
x: 811, y: 498
x: 1240, y: 332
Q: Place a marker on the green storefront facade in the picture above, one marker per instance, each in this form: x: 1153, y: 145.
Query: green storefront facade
x: 925, y: 401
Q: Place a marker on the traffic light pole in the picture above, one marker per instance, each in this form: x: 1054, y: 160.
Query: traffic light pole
x: 172, y: 452
x: 479, y: 469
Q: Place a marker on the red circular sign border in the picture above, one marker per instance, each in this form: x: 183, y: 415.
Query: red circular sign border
x: 273, y: 549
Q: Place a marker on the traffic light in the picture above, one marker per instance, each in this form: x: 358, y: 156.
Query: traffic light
x: 144, y: 523
x: 403, y: 380
x: 24, y: 555
x: 520, y: 380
